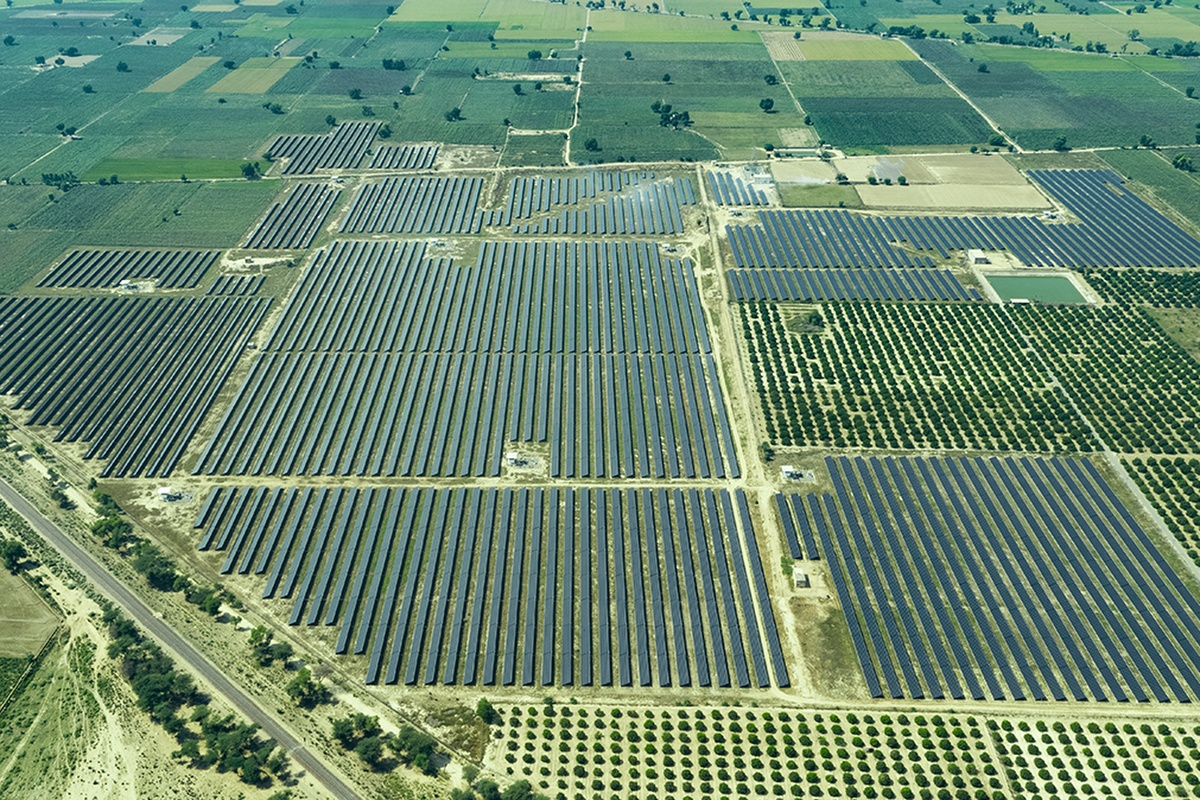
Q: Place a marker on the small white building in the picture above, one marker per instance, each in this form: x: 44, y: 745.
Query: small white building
x: 976, y: 256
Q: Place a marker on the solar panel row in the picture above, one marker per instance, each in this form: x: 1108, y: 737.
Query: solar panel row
x: 398, y: 570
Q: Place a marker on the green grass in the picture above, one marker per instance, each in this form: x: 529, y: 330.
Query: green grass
x: 164, y: 169
x: 796, y: 195
x: 545, y: 150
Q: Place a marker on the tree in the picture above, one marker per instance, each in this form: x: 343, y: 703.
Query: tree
x: 766, y: 104
x: 13, y: 552
x: 534, y: 55
x: 10, y: 40
x: 983, y: 67
x: 1134, y: 34
x: 1190, y: 91
x: 306, y: 691
x: 356, y: 94
x: 771, y: 80
x: 521, y: 790
x: 667, y: 77
x: 517, y: 90
x: 1060, y: 144
x: 330, y: 120
x: 629, y: 55
x: 343, y: 731
x: 591, y: 145
x: 1183, y: 162
x: 122, y: 66
x: 454, y: 114
x: 87, y: 89
x: 250, y: 170
x: 370, y: 750
x: 487, y: 712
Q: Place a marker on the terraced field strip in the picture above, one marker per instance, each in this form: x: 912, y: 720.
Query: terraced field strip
x: 512, y: 586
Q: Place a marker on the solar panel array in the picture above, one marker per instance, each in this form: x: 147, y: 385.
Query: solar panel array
x: 133, y: 377
x: 808, y: 285
x: 97, y: 269
x: 1005, y: 578
x: 653, y: 208
x: 597, y: 351
x: 514, y: 586
x: 341, y: 148
x: 418, y: 205
x: 733, y: 190
x: 404, y: 156
x: 294, y: 222
x: 237, y: 284
x: 533, y: 194
x: 1115, y: 228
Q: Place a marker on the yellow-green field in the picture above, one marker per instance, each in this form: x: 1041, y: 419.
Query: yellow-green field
x: 25, y: 621
x: 626, y: 26
x: 264, y: 25
x: 164, y: 169
x: 783, y: 46
x: 254, y: 76
x: 515, y: 19
x: 182, y: 74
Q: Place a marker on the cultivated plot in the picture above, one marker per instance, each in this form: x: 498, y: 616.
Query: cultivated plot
x: 901, y: 375
x: 506, y: 587
x: 1003, y: 578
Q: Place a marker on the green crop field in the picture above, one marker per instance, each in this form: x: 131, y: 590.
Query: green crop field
x: 1032, y: 96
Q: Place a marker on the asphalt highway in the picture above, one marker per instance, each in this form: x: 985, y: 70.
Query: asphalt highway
x: 145, y: 617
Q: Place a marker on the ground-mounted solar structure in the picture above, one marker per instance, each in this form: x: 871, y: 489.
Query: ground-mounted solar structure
x: 534, y: 586
x: 106, y: 269
x: 653, y: 207
x: 341, y: 148
x: 164, y: 362
x: 730, y: 189
x: 404, y: 156
x: 1001, y: 578
x: 294, y: 222
x: 597, y: 351
x: 1112, y: 227
x: 418, y: 205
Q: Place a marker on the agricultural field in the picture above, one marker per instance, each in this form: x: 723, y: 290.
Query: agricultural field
x: 26, y: 623
x: 1036, y: 96
x: 1173, y: 486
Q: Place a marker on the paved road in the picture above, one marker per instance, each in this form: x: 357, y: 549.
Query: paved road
x: 176, y: 644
